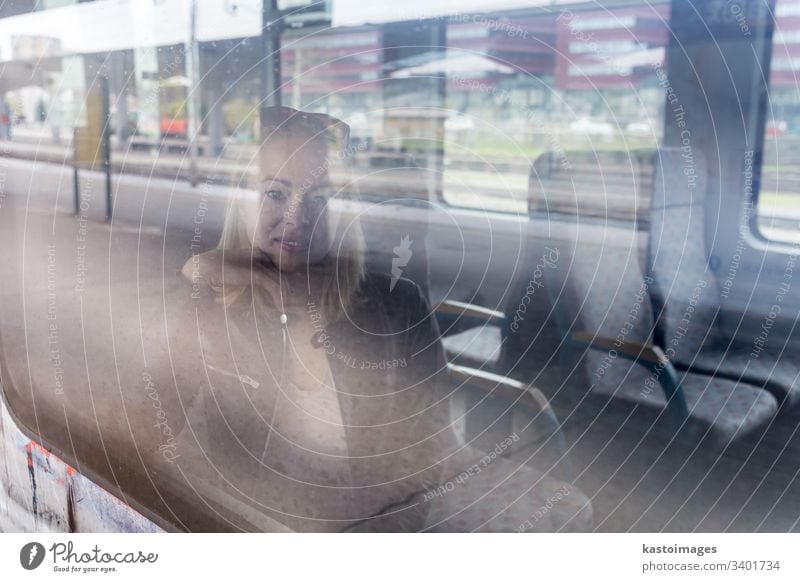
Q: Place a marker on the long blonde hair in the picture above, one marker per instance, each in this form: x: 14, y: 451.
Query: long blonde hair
x: 342, y: 273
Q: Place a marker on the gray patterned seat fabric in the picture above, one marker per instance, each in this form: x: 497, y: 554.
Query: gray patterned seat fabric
x: 599, y: 288
x: 776, y: 373
x: 504, y: 495
x: 686, y: 293
x: 721, y: 410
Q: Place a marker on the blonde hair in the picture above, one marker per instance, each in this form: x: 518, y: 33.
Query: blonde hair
x: 342, y: 273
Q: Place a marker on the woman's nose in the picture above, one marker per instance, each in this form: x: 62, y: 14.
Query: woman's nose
x: 296, y: 213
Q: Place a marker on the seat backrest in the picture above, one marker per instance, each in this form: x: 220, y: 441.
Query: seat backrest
x: 685, y: 292
x: 605, y: 184
x: 601, y: 289
x: 597, y: 285
x: 395, y: 222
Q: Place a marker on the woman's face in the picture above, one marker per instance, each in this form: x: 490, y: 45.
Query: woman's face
x: 291, y: 222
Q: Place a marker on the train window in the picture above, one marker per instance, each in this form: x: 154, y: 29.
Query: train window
x: 562, y: 83
x: 323, y: 266
x: 471, y: 100
x: 778, y: 215
x: 217, y: 301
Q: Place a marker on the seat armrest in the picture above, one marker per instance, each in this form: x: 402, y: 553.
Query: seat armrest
x: 503, y: 386
x: 464, y: 309
x: 653, y: 358
x: 650, y: 353
x: 469, y: 313
x: 539, y: 421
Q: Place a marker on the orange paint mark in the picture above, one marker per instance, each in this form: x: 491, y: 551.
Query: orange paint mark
x: 41, y: 449
x: 31, y: 445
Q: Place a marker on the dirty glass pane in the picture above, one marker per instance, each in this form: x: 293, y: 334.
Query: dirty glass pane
x: 218, y: 301
x: 349, y: 266
x: 777, y: 210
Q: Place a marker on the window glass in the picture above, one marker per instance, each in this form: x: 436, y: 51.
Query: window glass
x: 232, y: 257
x: 777, y: 211
x: 539, y: 82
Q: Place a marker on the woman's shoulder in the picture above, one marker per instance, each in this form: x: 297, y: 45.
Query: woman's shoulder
x: 209, y: 268
x: 203, y: 268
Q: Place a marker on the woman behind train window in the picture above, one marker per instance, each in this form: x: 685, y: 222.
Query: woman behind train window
x: 317, y: 383
x: 315, y: 390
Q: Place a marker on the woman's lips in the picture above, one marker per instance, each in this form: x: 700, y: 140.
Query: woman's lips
x: 291, y: 245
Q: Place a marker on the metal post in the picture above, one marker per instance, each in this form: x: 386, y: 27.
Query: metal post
x: 214, y: 95
x: 271, y: 29
x: 106, y: 100
x: 192, y: 65
x: 76, y: 183
x: 436, y: 161
x: 119, y: 60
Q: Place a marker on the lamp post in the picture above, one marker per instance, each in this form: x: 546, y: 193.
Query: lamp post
x: 192, y: 66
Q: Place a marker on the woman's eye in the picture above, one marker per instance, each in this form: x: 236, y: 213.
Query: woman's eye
x: 319, y: 200
x: 275, y: 195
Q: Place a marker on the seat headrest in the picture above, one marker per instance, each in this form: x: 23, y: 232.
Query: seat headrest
x: 680, y: 177
x: 605, y: 184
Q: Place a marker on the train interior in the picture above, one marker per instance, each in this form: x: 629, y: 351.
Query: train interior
x: 617, y: 245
